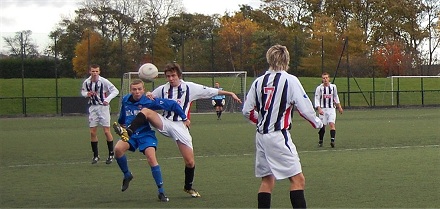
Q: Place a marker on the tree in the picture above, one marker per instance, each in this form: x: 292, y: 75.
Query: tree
x: 324, y: 48
x: 88, y: 51
x: 392, y: 59
x: 236, y: 38
x: 432, y: 13
x: 22, y: 41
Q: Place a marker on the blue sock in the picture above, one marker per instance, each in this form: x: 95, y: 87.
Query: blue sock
x: 157, y: 175
x: 123, y: 165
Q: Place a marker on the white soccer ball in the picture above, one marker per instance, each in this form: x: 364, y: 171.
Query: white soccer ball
x: 148, y: 72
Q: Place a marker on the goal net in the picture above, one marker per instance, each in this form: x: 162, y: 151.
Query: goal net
x: 414, y: 90
x: 229, y: 81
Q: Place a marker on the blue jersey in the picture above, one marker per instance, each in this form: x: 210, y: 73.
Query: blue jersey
x: 218, y: 97
x: 130, y: 109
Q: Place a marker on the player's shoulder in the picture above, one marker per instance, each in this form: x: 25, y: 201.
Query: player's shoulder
x: 144, y: 99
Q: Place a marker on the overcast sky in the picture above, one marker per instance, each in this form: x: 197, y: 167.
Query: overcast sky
x: 41, y: 16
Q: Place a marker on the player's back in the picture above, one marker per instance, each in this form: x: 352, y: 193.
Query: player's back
x: 274, y: 100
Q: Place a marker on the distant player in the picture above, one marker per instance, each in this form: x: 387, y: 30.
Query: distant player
x: 144, y: 138
x: 174, y: 126
x: 326, y: 99
x: 218, y: 101
x: 269, y: 104
x: 100, y: 92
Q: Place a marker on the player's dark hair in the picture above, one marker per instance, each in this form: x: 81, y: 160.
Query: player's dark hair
x: 173, y: 67
x: 94, y: 66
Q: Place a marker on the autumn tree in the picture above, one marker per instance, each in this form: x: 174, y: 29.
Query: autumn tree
x: 324, y: 48
x: 392, y: 59
x: 237, y: 40
x: 88, y: 51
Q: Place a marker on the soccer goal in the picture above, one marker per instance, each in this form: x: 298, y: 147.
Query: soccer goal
x: 413, y: 90
x: 229, y: 81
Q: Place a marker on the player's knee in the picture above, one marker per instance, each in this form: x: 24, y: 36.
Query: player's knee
x: 190, y: 163
x: 147, y: 112
x: 120, y: 148
x: 298, y: 182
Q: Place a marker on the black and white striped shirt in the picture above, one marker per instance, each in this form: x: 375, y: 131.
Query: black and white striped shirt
x: 183, y: 94
x: 104, y: 90
x: 271, y: 99
x: 326, y: 96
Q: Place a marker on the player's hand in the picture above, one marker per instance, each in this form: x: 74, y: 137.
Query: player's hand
x: 90, y: 94
x: 340, y: 110
x: 236, y: 98
x: 187, y: 123
x: 149, y: 95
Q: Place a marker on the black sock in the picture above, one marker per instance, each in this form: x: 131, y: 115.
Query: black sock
x: 110, y: 147
x: 321, y: 134
x: 189, y: 177
x: 137, y: 122
x: 332, y: 135
x: 94, y: 148
x: 264, y: 200
x: 297, y: 199
x: 219, y: 113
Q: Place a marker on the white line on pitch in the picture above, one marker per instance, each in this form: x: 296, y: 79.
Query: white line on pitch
x: 207, y: 156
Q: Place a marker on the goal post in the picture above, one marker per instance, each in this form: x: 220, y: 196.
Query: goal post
x: 398, y: 88
x: 230, y: 81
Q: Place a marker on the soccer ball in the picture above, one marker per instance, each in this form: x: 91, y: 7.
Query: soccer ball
x: 148, y: 72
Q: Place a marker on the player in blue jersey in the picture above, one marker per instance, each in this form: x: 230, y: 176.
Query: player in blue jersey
x: 218, y: 101
x: 144, y: 138
x: 174, y: 126
x: 326, y: 99
x: 100, y: 92
x: 269, y: 104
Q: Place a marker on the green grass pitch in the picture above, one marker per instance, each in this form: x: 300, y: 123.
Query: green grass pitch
x: 384, y: 158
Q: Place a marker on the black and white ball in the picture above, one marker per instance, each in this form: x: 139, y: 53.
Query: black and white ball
x: 148, y: 72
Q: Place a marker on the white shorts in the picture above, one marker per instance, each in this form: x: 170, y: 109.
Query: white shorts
x: 99, y: 115
x: 176, y: 130
x: 276, y: 155
x: 329, y: 116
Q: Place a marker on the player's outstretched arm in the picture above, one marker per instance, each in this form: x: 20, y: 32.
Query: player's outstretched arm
x: 232, y: 94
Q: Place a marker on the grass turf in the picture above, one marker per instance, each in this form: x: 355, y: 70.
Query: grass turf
x: 385, y: 158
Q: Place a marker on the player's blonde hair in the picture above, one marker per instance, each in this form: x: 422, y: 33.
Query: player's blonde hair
x: 278, y: 58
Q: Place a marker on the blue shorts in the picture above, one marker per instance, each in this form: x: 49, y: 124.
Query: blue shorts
x: 142, y: 141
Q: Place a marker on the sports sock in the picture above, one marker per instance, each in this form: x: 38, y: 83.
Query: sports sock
x: 189, y: 177
x: 219, y: 114
x: 123, y: 165
x: 157, y: 175
x: 321, y: 133
x: 110, y: 147
x: 264, y: 200
x: 332, y: 135
x: 137, y: 122
x: 94, y: 148
x: 297, y: 199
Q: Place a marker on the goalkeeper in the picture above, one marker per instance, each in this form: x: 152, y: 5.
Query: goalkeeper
x: 144, y: 138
